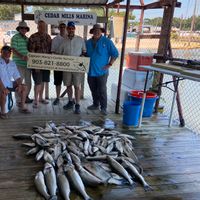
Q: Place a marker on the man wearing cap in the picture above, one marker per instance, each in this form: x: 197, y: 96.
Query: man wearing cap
x: 102, y: 53
x: 58, y: 75
x: 73, y: 45
x: 19, y: 44
x: 9, y: 72
x: 40, y: 42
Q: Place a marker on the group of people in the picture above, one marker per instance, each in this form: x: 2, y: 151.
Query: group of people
x: 99, y: 48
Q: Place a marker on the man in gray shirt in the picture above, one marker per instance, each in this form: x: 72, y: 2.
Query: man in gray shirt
x: 73, y: 45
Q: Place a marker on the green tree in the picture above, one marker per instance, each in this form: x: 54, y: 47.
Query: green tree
x: 49, y: 8
x: 7, y: 12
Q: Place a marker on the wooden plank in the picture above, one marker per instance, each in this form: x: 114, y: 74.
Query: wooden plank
x: 170, y: 157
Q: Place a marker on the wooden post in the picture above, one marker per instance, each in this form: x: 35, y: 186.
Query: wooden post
x: 22, y: 12
x: 164, y: 41
x: 122, y: 57
x: 137, y: 44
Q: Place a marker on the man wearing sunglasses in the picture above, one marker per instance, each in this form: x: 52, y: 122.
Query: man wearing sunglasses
x: 73, y: 45
x: 19, y: 44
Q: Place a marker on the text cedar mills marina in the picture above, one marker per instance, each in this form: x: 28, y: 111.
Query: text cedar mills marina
x: 69, y: 15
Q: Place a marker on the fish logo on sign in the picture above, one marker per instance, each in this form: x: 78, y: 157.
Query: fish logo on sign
x: 81, y: 67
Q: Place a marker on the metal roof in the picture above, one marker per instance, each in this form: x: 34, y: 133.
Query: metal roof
x: 57, y: 2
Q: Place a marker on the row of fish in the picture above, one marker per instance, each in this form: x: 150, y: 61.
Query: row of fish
x: 79, y: 156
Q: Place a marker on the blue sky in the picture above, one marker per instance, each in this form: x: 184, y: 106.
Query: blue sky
x: 185, y: 11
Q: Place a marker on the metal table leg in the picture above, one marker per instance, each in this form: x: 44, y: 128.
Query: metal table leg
x: 143, y: 99
x: 173, y: 101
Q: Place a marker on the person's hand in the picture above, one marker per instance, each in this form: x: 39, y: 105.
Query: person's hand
x: 5, y: 91
x: 25, y: 58
x: 107, y: 66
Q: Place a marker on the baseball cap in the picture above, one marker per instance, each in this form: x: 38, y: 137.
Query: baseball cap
x: 6, y: 48
x: 71, y: 24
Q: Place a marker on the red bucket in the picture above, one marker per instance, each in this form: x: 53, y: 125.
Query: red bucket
x: 136, y: 97
x: 139, y: 94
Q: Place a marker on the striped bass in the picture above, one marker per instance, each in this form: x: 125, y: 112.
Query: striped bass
x: 119, y: 169
x: 40, y: 185
x: 63, y: 184
x: 87, y: 177
x: 76, y: 181
x: 50, y: 179
x: 135, y: 174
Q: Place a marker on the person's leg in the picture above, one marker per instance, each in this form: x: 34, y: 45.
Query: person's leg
x: 58, y: 77
x: 92, y: 82
x: 27, y: 78
x: 67, y: 79
x: 22, y: 75
x: 70, y: 92
x: 41, y: 92
x: 45, y: 79
x: 76, y: 80
x: 102, y: 85
x: 3, y: 102
x: 37, y: 77
x: 22, y: 92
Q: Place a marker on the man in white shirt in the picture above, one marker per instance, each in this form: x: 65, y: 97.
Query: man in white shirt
x: 58, y: 75
x: 73, y: 45
x: 10, y: 81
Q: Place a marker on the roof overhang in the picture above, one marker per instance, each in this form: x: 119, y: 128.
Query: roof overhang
x: 67, y: 3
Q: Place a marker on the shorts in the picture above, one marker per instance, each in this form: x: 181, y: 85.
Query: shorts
x: 72, y: 78
x: 41, y: 76
x: 25, y: 74
x: 58, y: 77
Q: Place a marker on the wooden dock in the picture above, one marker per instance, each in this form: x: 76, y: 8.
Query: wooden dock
x: 170, y: 156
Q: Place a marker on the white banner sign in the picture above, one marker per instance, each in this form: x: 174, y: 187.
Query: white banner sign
x: 58, y: 62
x: 56, y: 17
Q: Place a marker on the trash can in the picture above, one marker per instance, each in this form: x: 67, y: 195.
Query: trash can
x: 131, y: 113
x: 136, y: 96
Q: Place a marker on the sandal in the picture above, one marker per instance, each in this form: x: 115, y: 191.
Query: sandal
x: 35, y: 105
x: 43, y: 101
x: 24, y: 111
x: 3, y: 116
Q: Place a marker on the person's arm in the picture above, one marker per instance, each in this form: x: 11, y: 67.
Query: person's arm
x: 83, y: 48
x: 22, y: 57
x: 113, y: 52
x: 14, y: 47
x: 31, y: 45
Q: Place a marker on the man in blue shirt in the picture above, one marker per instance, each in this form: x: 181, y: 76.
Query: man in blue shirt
x: 102, y: 53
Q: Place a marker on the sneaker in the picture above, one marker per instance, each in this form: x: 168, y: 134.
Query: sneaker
x: 93, y: 107
x: 56, y: 101
x: 69, y: 105
x: 28, y: 100
x: 77, y: 109
x: 103, y: 112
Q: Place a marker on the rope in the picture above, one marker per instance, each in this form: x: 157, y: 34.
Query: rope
x: 10, y: 101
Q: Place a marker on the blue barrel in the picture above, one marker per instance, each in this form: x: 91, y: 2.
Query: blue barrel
x: 131, y: 113
x: 148, y: 105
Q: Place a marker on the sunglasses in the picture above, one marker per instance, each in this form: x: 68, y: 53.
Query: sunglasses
x: 23, y: 28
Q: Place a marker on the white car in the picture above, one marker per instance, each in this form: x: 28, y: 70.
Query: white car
x: 7, y: 36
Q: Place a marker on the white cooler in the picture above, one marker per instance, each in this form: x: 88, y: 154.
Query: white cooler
x: 135, y: 79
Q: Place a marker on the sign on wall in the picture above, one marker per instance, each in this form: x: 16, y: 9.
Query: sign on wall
x: 58, y: 62
x: 55, y: 17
